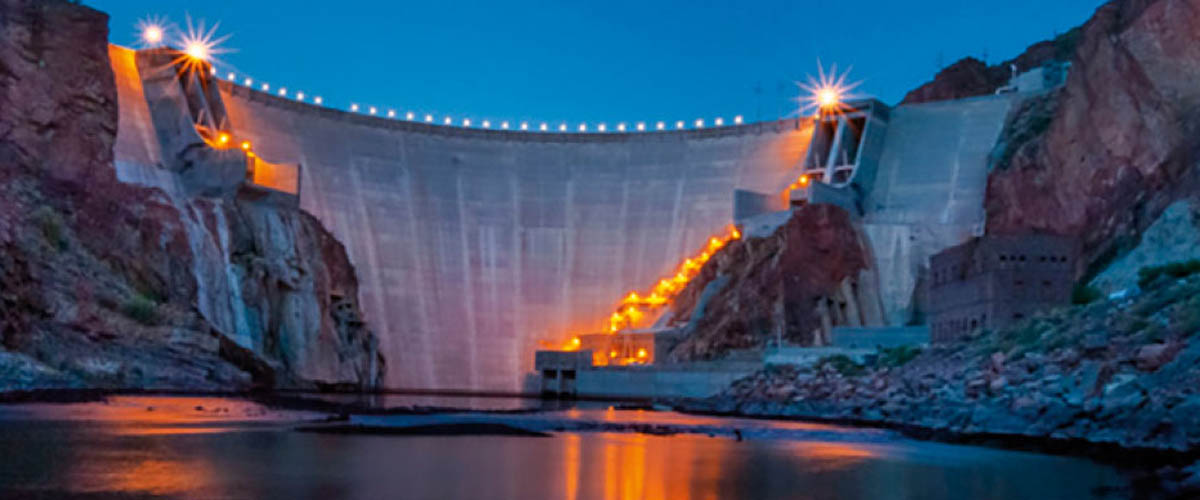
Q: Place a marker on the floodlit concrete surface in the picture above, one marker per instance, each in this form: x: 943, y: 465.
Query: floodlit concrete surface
x: 473, y: 245
x: 929, y: 189
x: 137, y: 153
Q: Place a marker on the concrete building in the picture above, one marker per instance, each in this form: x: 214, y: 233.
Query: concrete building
x: 635, y: 347
x: 559, y: 370
x: 994, y: 281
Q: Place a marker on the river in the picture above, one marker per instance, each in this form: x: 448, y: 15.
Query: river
x: 217, y: 448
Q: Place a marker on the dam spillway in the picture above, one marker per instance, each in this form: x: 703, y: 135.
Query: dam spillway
x: 474, y: 245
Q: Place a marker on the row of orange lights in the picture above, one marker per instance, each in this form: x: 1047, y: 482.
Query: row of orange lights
x: 802, y: 182
x: 641, y: 358
x: 224, y: 140
x: 630, y: 312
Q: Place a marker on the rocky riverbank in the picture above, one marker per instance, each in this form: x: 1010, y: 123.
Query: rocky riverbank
x: 1116, y: 375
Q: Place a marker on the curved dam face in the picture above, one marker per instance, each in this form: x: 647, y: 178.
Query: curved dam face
x: 472, y: 246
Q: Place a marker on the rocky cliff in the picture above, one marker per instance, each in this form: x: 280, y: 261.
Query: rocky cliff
x: 107, y: 284
x: 1118, y: 143
x: 971, y: 77
x: 795, y: 284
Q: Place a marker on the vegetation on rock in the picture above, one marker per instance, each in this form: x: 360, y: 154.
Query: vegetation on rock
x: 1149, y: 275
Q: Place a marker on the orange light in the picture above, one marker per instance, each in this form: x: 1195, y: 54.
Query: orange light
x: 245, y: 145
x: 198, y: 50
x: 612, y: 354
x: 802, y: 182
x: 827, y: 92
x: 641, y: 353
x: 223, y: 138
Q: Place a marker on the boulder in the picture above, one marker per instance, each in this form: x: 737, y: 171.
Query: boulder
x: 1150, y: 357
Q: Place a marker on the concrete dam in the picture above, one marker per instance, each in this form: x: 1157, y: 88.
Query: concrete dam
x: 474, y: 246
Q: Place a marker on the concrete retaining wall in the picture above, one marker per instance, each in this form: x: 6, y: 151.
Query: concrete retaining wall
x: 665, y: 382
x: 872, y: 338
x: 929, y: 190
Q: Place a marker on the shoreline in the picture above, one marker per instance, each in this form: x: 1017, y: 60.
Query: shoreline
x: 1146, y: 458
x: 1147, y: 469
x: 1113, y: 453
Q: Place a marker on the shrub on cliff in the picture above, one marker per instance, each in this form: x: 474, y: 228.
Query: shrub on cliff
x: 1148, y: 275
x: 842, y: 364
x: 52, y: 226
x: 895, y: 357
x: 142, y: 309
x: 1084, y: 294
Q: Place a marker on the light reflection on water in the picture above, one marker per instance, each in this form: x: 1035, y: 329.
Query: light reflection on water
x: 439, y: 401
x: 95, y: 454
x: 125, y: 473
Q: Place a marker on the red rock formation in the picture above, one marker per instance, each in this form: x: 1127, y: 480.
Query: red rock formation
x: 970, y: 77
x: 1122, y: 142
x: 756, y: 287
x: 98, y: 281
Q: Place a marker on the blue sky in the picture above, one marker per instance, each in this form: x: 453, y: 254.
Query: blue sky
x: 613, y: 61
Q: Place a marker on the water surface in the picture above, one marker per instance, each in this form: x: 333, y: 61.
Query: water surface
x: 141, y: 447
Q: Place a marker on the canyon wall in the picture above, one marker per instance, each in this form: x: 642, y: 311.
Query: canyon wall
x: 475, y: 245
x: 1117, y: 145
x: 112, y: 284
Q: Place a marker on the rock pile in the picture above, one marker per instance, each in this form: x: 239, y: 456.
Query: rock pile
x: 1125, y: 373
